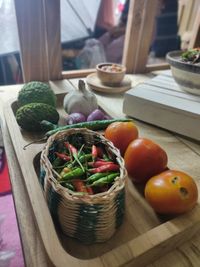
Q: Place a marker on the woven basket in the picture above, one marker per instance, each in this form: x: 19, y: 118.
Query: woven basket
x: 89, y: 218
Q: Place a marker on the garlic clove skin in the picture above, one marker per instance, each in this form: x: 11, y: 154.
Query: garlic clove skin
x: 81, y: 101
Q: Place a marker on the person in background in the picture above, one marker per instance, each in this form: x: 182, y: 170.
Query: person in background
x: 113, y: 39
x: 165, y: 36
x: 105, y: 18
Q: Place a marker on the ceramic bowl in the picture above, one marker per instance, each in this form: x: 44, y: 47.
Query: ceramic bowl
x: 110, y: 74
x: 187, y: 75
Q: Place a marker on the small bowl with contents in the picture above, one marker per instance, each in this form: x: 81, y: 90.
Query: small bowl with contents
x: 110, y: 74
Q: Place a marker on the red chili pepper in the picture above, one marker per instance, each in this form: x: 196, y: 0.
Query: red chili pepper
x: 99, y: 163
x: 89, y: 190
x: 99, y: 152
x: 74, y: 152
x: 62, y: 156
x: 71, y: 148
x: 79, y: 186
x: 105, y: 168
x: 94, y: 152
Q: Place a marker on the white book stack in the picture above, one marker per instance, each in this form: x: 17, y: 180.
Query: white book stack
x: 161, y: 102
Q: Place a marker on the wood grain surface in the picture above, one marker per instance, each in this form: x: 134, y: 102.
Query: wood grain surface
x: 183, y: 154
x: 32, y: 37
x: 138, y: 35
x: 53, y: 28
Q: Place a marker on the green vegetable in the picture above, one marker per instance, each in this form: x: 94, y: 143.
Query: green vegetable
x: 56, y: 162
x: 105, y: 180
x: 29, y: 116
x: 36, y: 92
x: 76, y: 173
x: 191, y: 55
x: 48, y: 126
x: 92, y: 125
x: 95, y: 177
x: 83, y: 159
x: 69, y: 186
x: 74, y: 152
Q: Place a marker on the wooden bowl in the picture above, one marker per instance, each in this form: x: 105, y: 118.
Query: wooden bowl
x: 187, y: 75
x: 111, y: 74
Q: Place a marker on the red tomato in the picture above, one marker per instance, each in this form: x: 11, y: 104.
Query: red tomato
x: 171, y: 192
x: 144, y: 159
x: 121, y: 134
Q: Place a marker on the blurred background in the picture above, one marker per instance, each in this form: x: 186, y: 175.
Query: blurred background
x: 94, y: 32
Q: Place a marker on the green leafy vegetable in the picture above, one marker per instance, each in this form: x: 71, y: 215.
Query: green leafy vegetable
x: 191, y: 56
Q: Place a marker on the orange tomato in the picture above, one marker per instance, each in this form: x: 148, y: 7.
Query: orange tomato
x: 144, y: 159
x: 121, y: 134
x: 171, y: 192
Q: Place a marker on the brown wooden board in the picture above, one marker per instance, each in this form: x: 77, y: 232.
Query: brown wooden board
x: 143, y: 237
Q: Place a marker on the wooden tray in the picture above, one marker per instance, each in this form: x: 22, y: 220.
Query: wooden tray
x: 142, y: 238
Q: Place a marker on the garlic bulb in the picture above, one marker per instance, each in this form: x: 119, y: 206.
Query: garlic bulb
x: 82, y: 101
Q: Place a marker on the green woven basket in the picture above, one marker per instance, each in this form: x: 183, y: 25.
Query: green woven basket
x: 88, y: 218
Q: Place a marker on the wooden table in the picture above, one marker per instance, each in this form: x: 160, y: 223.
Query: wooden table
x: 187, y: 254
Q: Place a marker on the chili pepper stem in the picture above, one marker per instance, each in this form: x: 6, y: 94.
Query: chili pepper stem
x: 74, y: 153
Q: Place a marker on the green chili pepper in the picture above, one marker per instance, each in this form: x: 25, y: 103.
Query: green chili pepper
x: 95, y: 177
x: 105, y: 180
x: 106, y: 157
x: 69, y: 186
x: 82, y: 159
x: 74, y: 153
x: 85, y: 158
x: 72, y: 174
x: 48, y: 126
x: 56, y: 162
x: 92, y: 125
